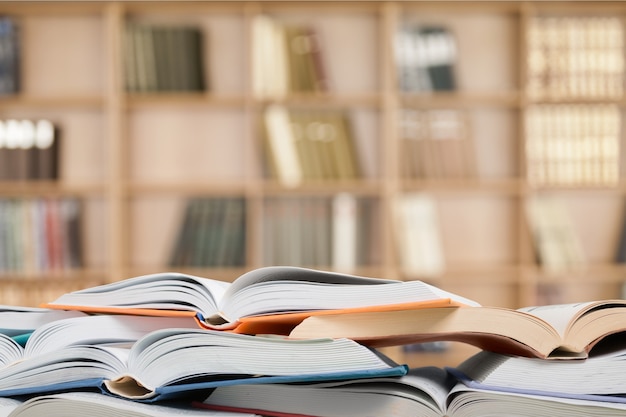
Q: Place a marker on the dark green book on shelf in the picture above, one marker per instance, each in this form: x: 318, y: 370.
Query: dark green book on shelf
x: 164, y: 58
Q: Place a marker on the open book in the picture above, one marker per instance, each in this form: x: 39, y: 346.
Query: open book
x: 202, y: 359
x: 562, y: 331
x: 17, y: 320
x: 45, y: 349
x: 92, y: 404
x: 253, y: 295
x: 424, y: 392
x: 599, y: 378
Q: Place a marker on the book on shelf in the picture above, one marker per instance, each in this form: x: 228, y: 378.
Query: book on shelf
x: 555, y: 332
x: 620, y: 250
x: 345, y: 224
x: 40, y: 234
x: 306, y: 72
x: 436, y: 144
x: 281, y: 150
x: 47, y: 153
x: 558, y: 247
x: 287, y: 58
x: 279, y: 296
x: 417, y: 235
x: 296, y: 231
x: 211, y: 233
x: 10, y: 56
x: 82, y: 403
x: 575, y: 144
x: 163, y: 58
x: 323, y: 232
x: 423, y: 391
x: 563, y: 56
x: 20, y: 140
x: 425, y: 58
x: 29, y: 150
x: 309, y: 145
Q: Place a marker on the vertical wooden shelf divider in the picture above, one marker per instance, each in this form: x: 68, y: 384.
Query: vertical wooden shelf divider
x: 253, y: 177
x: 527, y: 280
x: 117, y: 210
x: 389, y: 142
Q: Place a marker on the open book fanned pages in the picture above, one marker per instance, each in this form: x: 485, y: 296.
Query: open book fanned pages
x: 560, y: 331
x: 424, y: 392
x: 80, y: 404
x: 263, y: 300
x: 599, y: 378
x: 22, y: 320
x: 133, y: 357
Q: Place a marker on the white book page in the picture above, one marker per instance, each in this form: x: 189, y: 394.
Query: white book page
x: 558, y: 315
x: 103, y: 405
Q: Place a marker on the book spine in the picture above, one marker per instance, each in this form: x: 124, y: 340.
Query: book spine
x: 417, y: 235
x: 282, y: 147
x: 9, y: 56
x: 344, y: 233
x: 47, y: 150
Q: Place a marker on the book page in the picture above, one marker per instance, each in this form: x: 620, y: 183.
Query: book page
x: 166, y: 290
x: 88, y: 402
x: 288, y: 273
x: 558, y: 315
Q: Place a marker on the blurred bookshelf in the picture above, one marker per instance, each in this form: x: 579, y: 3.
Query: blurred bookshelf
x: 312, y: 120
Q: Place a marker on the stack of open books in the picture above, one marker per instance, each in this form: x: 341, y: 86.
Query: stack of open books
x: 287, y: 341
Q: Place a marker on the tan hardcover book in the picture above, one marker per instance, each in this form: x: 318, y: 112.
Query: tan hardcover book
x: 342, y: 146
x: 282, y: 147
x: 562, y: 331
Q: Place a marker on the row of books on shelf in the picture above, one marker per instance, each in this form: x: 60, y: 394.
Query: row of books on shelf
x: 557, y: 244
x: 337, y: 232
x: 296, y: 230
x: 309, y: 145
x: 29, y: 150
x: 564, y: 145
x: 575, y: 57
x: 425, y: 57
x: 558, y: 247
x: 573, y: 144
x: 287, y: 58
x: 212, y: 233
x: 40, y: 235
x: 288, y: 341
x: 159, y: 57
x: 436, y: 144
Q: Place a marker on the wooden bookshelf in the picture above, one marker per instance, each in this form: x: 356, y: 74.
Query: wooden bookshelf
x: 135, y: 158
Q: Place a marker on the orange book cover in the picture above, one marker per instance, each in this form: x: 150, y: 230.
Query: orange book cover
x: 280, y: 323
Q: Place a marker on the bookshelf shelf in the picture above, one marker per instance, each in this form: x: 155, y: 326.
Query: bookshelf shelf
x: 80, y: 102
x: 513, y: 186
x: 136, y: 158
x: 49, y: 188
x: 188, y: 188
x: 466, y: 99
x: 188, y: 99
